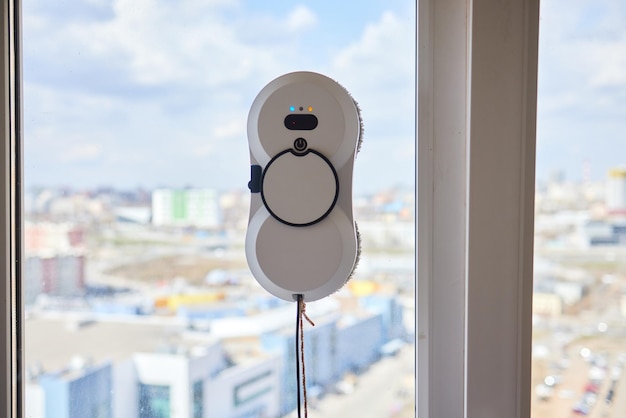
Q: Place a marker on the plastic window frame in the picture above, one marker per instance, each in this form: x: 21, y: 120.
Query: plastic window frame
x: 477, y: 98
x: 11, y: 337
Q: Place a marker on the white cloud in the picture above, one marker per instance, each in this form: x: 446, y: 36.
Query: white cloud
x: 159, y: 42
x: 82, y: 152
x: 236, y: 127
x: 379, y: 71
x: 166, y: 43
x: 612, y: 56
x: 301, y: 18
x: 582, y: 53
x: 385, y: 49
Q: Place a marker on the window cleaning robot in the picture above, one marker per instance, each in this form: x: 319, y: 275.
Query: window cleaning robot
x: 304, y: 130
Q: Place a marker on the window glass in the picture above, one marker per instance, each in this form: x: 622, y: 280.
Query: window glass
x: 198, y: 399
x: 138, y: 297
x: 579, y: 338
x: 154, y: 401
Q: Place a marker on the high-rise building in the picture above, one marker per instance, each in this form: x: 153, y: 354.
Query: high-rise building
x: 50, y: 236
x: 188, y: 207
x: 81, y: 390
x: 150, y: 370
x: 616, y: 190
x: 55, y: 260
x: 61, y: 274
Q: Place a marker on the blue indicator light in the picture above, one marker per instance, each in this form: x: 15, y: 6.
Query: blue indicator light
x: 292, y: 108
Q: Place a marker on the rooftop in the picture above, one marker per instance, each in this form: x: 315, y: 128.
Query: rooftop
x: 54, y: 342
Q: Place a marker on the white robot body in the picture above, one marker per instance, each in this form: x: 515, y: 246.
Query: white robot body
x: 303, y: 132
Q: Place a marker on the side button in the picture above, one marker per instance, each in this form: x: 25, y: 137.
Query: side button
x: 255, y: 179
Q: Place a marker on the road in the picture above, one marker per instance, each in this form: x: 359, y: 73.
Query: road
x: 387, y: 389
x: 575, y: 380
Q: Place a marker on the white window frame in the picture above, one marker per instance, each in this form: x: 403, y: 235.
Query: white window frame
x: 477, y: 96
x: 11, y: 335
x: 477, y: 83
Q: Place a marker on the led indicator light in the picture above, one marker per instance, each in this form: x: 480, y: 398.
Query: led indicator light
x: 310, y: 108
x: 292, y: 108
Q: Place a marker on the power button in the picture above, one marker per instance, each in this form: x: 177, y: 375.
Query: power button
x: 300, y: 144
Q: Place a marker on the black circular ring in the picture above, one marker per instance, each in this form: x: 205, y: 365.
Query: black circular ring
x: 298, y: 154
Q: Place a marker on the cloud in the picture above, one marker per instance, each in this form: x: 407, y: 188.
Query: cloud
x: 145, y: 46
x: 82, y: 152
x: 379, y: 71
x: 612, y: 55
x: 380, y: 68
x: 382, y: 47
x: 301, y: 18
x: 582, y: 51
x: 230, y: 129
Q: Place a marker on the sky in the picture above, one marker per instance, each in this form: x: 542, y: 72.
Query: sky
x: 148, y: 93
x: 581, y: 119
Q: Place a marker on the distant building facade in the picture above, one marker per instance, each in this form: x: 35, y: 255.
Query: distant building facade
x: 604, y: 233
x: 74, y: 392
x: 336, y: 347
x: 52, y: 237
x: 195, y: 384
x: 616, y: 190
x: 185, y: 207
x: 55, y: 260
x: 246, y: 374
x: 58, y: 275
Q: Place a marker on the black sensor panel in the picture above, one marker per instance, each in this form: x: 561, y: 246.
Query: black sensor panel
x: 301, y: 121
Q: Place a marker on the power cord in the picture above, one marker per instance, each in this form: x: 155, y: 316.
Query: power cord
x: 301, y: 313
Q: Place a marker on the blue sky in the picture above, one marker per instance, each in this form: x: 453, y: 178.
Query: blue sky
x: 153, y: 92
x: 149, y: 93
